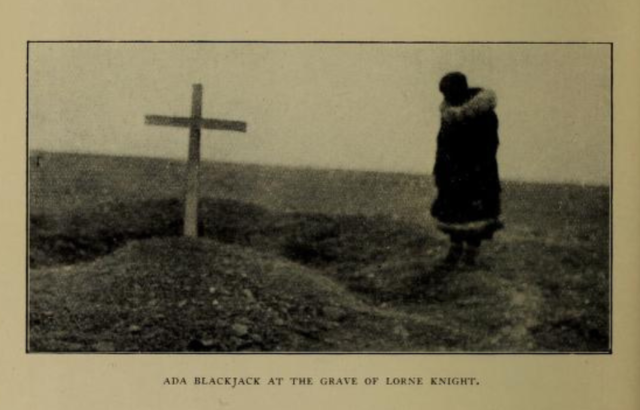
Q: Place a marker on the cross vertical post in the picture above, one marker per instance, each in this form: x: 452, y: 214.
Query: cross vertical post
x: 193, y: 166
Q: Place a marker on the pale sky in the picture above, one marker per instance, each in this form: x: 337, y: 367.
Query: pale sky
x: 353, y: 106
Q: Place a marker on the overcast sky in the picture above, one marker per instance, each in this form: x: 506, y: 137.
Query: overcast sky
x: 355, y: 106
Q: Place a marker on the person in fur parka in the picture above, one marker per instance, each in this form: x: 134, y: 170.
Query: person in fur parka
x: 466, y: 170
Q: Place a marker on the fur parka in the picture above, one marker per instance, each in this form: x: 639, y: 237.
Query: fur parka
x: 466, y: 169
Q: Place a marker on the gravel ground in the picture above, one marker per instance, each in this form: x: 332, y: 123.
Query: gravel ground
x: 119, y: 278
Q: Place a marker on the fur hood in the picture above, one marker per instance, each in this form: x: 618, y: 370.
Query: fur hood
x: 482, y: 102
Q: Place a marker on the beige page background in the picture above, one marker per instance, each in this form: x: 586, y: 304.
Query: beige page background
x: 506, y: 382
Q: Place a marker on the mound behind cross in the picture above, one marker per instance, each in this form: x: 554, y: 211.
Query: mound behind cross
x: 195, y: 123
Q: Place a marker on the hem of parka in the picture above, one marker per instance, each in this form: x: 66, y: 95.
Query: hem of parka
x: 483, y: 230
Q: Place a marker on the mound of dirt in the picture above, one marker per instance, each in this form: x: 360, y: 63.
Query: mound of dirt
x: 118, y: 277
x: 178, y: 294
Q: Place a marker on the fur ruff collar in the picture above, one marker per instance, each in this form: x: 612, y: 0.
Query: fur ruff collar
x: 482, y: 102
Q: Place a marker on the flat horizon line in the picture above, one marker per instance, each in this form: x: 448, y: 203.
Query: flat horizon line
x: 312, y: 167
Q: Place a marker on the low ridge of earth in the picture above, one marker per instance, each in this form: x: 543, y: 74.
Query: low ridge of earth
x: 279, y: 268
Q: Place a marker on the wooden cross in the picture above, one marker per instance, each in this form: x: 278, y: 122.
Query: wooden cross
x: 195, y: 123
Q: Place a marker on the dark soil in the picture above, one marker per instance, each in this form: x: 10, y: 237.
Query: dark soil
x: 289, y: 282
x: 177, y: 294
x: 111, y: 275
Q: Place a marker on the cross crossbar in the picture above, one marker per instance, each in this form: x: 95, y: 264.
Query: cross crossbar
x: 203, y: 123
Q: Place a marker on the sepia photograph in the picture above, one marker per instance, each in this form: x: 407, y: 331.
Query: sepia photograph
x: 319, y: 197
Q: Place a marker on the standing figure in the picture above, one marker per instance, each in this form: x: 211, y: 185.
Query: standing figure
x: 466, y: 170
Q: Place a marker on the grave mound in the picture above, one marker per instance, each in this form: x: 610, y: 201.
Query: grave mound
x: 179, y: 294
